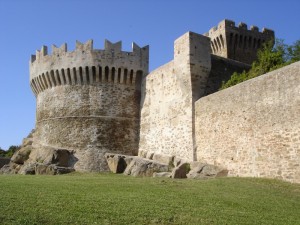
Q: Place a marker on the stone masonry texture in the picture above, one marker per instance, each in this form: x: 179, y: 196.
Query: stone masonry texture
x: 253, y: 128
x: 91, y: 102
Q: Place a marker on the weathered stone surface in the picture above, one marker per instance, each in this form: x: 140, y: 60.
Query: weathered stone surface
x: 28, y: 169
x: 94, y: 110
x: 48, y: 155
x: 7, y: 169
x: 203, y: 171
x: 42, y: 169
x: 142, y: 153
x: 163, y: 158
x: 144, y: 167
x: 149, y: 155
x: 253, y: 128
x: 21, y: 155
x: 117, y: 163
x: 181, y: 171
x: 27, y: 141
x: 162, y: 174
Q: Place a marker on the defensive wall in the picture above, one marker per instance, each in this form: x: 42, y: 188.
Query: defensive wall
x: 170, y: 92
x: 253, y: 128
x: 88, y: 100
x: 92, y: 101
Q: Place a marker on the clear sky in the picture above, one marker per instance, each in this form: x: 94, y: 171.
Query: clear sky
x: 27, y: 25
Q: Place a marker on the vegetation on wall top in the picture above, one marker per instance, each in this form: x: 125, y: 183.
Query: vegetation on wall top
x: 269, y: 58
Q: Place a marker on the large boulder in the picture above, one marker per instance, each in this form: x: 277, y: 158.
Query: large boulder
x: 21, y: 155
x: 117, y: 163
x: 164, y: 159
x: 181, y: 171
x: 27, y: 169
x: 144, y: 167
x: 204, y: 171
x: 49, y: 155
x: 42, y: 169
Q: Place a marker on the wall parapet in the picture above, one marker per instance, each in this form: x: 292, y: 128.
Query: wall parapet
x: 86, y: 65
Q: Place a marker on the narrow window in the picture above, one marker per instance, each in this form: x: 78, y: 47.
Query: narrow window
x: 44, y: 79
x: 125, y: 76
x: 58, y: 78
x: 131, y: 77
x: 75, y: 75
x: 63, y: 76
x: 87, y: 74
x: 216, y: 45
x: 230, y: 39
x: 106, y: 73
x: 48, y: 79
x: 213, y: 47
x: 250, y: 42
x: 119, y: 75
x: 241, y: 41
x: 254, y: 43
x: 100, y: 73
x: 80, y: 75
x: 219, y: 43
x: 113, y: 71
x: 69, y: 75
x: 52, y: 77
x: 94, y: 73
x: 138, y: 80
x: 222, y: 40
x: 245, y: 42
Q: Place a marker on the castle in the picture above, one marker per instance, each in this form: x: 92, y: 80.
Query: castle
x: 93, y: 101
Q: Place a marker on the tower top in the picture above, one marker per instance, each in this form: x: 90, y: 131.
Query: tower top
x: 238, y: 42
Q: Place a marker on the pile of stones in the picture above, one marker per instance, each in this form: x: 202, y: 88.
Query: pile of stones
x: 50, y: 161
x: 157, y: 165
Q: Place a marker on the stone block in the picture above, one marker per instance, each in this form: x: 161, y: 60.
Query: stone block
x: 117, y: 163
x: 164, y: 159
x: 144, y: 167
x: 181, y: 171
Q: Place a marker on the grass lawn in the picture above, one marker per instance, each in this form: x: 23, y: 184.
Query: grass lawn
x: 118, y: 199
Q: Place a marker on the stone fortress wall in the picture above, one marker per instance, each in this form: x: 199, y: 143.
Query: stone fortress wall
x: 253, y: 128
x: 88, y: 100
x: 96, y: 101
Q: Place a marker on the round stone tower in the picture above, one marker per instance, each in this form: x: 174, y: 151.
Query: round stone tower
x: 88, y: 100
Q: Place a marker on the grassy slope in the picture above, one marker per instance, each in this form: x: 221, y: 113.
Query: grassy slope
x: 118, y: 199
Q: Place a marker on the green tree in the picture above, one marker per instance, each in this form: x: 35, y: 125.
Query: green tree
x: 11, y: 150
x: 294, y: 51
x: 269, y: 57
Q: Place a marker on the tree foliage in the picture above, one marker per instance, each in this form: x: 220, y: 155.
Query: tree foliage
x: 269, y: 57
x: 9, y: 153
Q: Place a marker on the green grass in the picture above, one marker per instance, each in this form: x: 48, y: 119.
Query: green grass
x: 118, y: 199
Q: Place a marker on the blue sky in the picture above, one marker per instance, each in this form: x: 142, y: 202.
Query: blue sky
x: 27, y: 25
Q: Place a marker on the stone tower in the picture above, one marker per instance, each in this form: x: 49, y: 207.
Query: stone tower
x: 238, y: 43
x: 88, y: 100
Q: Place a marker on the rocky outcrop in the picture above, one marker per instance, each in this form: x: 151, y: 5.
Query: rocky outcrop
x: 46, y: 160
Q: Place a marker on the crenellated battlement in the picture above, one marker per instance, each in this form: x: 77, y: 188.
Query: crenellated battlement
x: 238, y: 42
x: 241, y: 26
x: 86, y: 65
